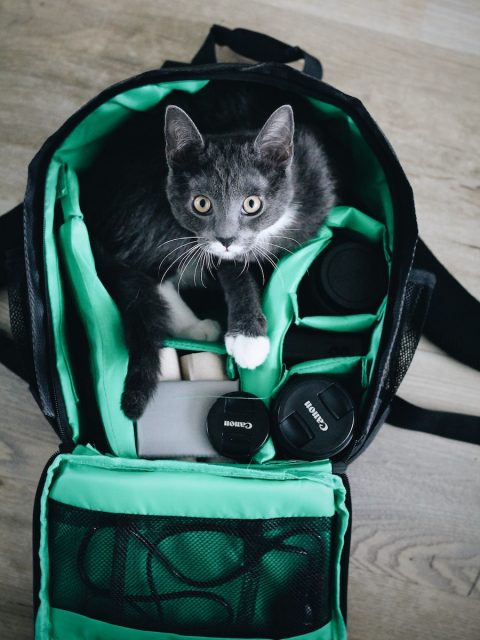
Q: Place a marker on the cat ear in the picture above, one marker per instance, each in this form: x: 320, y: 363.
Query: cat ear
x: 182, y: 138
x: 274, y: 143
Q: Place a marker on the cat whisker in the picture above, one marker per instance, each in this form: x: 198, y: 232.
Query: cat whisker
x: 176, y: 239
x: 266, y: 256
x: 185, y: 244
x: 259, y: 264
x: 185, y: 258
x: 191, y: 252
x: 192, y: 256
x: 245, y: 264
x: 286, y: 238
x: 265, y: 253
x: 272, y: 244
x: 182, y: 255
x: 199, y: 256
x: 203, y: 255
x: 210, y: 263
x: 204, y: 258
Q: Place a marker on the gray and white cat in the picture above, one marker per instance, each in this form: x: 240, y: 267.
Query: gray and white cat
x: 221, y: 202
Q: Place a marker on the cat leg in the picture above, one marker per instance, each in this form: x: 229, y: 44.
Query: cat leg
x: 145, y: 323
x: 246, y: 338
x: 184, y: 323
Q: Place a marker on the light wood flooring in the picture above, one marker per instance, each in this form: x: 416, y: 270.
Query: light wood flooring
x: 415, y: 562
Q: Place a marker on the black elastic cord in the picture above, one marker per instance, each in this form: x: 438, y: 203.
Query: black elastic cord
x: 264, y: 545
x: 456, y: 426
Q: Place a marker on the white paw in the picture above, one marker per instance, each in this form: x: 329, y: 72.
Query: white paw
x: 206, y: 329
x: 248, y: 351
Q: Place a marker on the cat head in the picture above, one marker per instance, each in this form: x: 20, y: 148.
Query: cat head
x: 234, y: 192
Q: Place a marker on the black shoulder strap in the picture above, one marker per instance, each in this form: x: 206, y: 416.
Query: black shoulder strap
x: 453, y: 324
x: 11, y: 242
x: 457, y: 426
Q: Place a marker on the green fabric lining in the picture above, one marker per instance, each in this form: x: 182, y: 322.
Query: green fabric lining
x: 76, y: 627
x: 349, y: 324
x: 368, y: 169
x: 78, y: 150
x: 195, y: 489
x: 101, y: 319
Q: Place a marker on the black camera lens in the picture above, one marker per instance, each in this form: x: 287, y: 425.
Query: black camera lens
x: 238, y: 424
x: 349, y: 277
x: 304, y: 343
x: 314, y: 418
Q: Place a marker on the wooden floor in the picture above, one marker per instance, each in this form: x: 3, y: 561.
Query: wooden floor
x: 415, y: 562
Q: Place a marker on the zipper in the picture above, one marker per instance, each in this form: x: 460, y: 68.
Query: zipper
x: 345, y: 557
x: 63, y: 448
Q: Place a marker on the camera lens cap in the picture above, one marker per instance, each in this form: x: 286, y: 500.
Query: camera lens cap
x: 314, y: 417
x: 238, y: 424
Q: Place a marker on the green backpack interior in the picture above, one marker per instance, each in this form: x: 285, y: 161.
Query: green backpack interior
x: 100, y: 317
x: 169, y: 549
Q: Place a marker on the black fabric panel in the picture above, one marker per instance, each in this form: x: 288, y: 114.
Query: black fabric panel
x: 11, y: 235
x: 11, y: 251
x: 453, y: 321
x: 456, y: 426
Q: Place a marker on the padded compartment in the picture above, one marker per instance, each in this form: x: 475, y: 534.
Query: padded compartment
x: 77, y: 152
x: 200, y: 550
x: 195, y: 576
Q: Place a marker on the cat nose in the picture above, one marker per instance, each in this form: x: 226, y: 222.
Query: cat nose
x: 225, y: 241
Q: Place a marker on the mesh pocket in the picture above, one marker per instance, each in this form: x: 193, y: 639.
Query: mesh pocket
x: 196, y: 576
x: 417, y: 300
x: 17, y: 297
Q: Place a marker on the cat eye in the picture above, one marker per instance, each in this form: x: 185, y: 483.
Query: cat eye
x: 252, y: 205
x: 202, y: 205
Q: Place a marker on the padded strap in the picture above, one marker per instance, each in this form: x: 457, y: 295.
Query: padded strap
x: 256, y: 46
x: 452, y: 323
x: 453, y: 320
x: 11, y: 237
x: 456, y: 426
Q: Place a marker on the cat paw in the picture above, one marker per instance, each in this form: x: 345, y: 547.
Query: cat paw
x: 248, y: 351
x: 134, y: 403
x: 207, y: 329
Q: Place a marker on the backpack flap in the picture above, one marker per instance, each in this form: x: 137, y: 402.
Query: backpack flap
x: 190, y: 550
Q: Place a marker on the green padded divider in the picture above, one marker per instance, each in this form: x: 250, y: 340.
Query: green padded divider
x: 281, y: 308
x: 101, y: 319
x: 77, y: 150
x: 73, y: 626
x: 196, y: 489
x: 369, y: 178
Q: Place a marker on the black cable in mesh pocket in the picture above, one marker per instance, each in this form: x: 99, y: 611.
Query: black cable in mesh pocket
x: 195, y: 576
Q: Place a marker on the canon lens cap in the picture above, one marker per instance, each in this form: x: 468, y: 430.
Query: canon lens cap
x: 314, y: 417
x: 238, y: 424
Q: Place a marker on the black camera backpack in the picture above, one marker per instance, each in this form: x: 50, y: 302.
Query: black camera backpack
x: 132, y: 548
